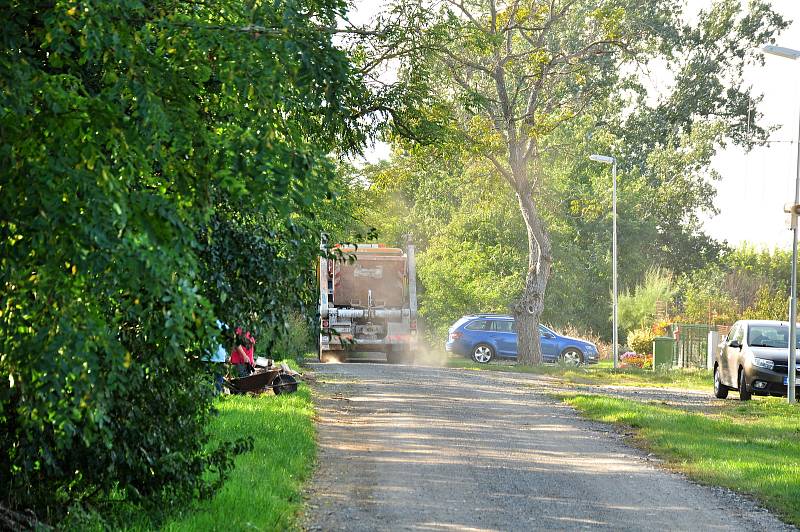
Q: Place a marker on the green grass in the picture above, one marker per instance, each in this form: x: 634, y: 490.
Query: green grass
x: 264, y: 490
x: 753, y: 448
x: 602, y: 373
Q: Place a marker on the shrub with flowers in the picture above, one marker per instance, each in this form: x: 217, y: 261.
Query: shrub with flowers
x: 631, y: 359
x: 641, y: 340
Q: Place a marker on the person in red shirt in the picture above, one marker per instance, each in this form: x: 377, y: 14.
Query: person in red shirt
x: 242, y: 354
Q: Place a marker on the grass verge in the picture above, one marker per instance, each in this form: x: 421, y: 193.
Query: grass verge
x: 753, y: 448
x: 602, y: 373
x: 264, y: 490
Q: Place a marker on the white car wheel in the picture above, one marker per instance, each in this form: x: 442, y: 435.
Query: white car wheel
x: 571, y: 357
x: 482, y: 353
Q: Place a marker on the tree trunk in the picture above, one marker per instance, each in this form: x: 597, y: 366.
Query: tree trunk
x: 528, y: 309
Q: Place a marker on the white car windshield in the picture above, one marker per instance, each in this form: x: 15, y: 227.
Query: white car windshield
x: 769, y: 336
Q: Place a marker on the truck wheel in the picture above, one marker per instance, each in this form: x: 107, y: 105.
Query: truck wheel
x: 394, y: 357
x: 326, y: 356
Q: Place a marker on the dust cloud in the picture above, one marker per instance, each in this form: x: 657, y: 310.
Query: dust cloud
x: 427, y: 355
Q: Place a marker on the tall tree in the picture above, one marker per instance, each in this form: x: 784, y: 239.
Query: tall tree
x: 515, y: 71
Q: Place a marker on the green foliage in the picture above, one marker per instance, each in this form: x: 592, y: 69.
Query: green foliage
x: 747, y: 282
x: 641, y: 340
x: 650, y: 198
x: 664, y: 147
x: 769, y: 305
x: 462, y: 278
x: 294, y: 340
x: 638, y: 309
x: 472, y: 265
x: 416, y: 194
x: 705, y: 299
x: 772, y: 267
x: 163, y: 164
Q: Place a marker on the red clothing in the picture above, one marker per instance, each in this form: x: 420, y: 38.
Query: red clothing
x: 236, y: 357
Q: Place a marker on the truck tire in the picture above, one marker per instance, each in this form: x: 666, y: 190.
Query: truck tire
x: 400, y: 357
x: 393, y: 357
x: 326, y: 355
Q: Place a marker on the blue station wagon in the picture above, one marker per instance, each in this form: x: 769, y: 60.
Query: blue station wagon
x: 486, y: 336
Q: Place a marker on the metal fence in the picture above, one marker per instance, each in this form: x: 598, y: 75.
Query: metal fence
x: 691, y: 343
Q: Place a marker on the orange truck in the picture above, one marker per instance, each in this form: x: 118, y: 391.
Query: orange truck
x: 368, y: 304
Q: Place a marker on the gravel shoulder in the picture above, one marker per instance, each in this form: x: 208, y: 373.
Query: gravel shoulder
x: 416, y: 448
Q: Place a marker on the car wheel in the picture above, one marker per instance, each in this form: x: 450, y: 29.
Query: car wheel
x: 744, y: 395
x: 720, y: 390
x: 482, y: 353
x: 571, y: 357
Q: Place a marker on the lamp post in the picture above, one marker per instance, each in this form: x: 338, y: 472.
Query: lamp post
x: 788, y: 53
x: 613, y: 162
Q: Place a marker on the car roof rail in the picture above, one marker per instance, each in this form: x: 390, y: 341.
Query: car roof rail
x: 491, y: 315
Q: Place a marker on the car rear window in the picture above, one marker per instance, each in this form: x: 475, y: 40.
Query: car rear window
x: 461, y: 321
x: 478, y: 325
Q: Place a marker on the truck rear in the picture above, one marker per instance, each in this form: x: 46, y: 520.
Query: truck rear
x: 369, y: 304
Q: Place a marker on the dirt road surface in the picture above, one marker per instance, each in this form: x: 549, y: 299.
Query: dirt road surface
x: 415, y: 448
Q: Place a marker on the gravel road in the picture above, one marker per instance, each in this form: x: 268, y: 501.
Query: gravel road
x: 416, y: 448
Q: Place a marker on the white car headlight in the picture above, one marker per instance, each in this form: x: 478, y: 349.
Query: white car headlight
x: 763, y: 363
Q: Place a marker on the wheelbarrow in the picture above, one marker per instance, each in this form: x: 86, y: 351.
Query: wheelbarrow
x: 267, y: 376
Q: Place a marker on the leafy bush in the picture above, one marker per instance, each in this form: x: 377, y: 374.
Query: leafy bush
x: 746, y: 283
x: 148, y: 186
x: 705, y: 299
x: 638, y: 309
x: 293, y: 340
x: 769, y: 305
x: 641, y: 341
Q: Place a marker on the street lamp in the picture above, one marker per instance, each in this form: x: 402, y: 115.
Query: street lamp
x: 613, y: 162
x: 788, y: 53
